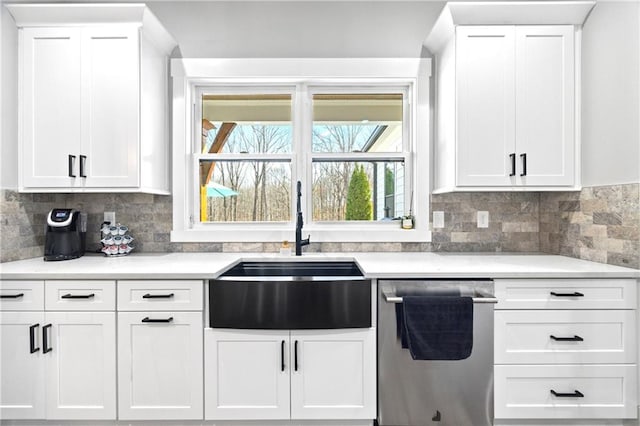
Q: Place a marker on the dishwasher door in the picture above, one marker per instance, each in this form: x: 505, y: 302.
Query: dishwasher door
x: 421, y: 393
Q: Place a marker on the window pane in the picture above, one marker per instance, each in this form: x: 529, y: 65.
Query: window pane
x: 347, y: 190
x: 246, y: 123
x: 357, y: 122
x: 245, y: 191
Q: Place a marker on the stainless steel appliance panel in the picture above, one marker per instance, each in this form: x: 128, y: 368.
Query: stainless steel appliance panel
x: 421, y: 393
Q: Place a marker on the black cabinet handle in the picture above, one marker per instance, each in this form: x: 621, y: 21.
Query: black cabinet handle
x: 11, y: 296
x: 512, y: 156
x: 32, y: 338
x: 295, y: 355
x: 72, y: 159
x: 77, y: 296
x: 83, y: 160
x: 574, y: 294
x: 574, y: 394
x: 45, y: 339
x: 567, y: 339
x: 282, y: 356
x: 157, y: 296
x: 147, y: 319
x: 523, y: 157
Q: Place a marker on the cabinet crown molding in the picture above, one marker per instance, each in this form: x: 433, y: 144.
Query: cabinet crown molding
x: 505, y: 13
x: 79, y: 14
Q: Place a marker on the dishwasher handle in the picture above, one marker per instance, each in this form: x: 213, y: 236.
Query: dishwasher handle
x: 478, y: 298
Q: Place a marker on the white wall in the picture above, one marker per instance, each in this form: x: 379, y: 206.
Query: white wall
x: 610, y: 95
x: 290, y: 29
x: 8, y: 101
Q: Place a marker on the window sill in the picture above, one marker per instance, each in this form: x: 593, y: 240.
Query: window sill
x: 319, y: 234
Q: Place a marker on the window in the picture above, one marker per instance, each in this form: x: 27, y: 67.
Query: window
x: 249, y: 129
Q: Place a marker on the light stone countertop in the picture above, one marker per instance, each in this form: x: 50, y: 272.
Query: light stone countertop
x: 374, y: 265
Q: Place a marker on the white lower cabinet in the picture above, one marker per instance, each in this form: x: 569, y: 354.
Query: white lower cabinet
x: 22, y: 382
x: 333, y: 375
x: 247, y: 374
x: 565, y: 349
x: 55, y: 365
x: 565, y: 391
x: 160, y: 365
x: 80, y: 365
x: 269, y: 374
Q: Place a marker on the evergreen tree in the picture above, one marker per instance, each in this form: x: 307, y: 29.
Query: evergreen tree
x: 359, y: 206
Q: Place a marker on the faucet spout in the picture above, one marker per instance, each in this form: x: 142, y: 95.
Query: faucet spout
x: 300, y: 223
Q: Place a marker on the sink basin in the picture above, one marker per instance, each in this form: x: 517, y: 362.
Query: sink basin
x: 290, y: 295
x: 293, y: 270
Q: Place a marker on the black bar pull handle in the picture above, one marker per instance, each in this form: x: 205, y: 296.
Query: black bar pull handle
x: 83, y: 160
x: 77, y: 296
x: 575, y: 338
x: 512, y: 156
x: 523, y: 157
x: 157, y: 296
x: 147, y: 319
x: 282, y: 356
x: 72, y: 159
x: 574, y: 294
x: 574, y: 394
x: 45, y: 339
x: 32, y: 339
x: 11, y: 296
x: 295, y: 355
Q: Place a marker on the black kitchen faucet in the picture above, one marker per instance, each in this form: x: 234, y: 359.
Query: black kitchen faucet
x: 299, y: 223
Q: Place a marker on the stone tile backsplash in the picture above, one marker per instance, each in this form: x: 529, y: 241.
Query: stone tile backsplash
x: 600, y: 224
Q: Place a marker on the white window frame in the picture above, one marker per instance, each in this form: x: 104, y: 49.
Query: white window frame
x: 190, y: 74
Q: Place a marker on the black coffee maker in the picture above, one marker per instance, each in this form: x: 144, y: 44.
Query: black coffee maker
x: 65, y: 234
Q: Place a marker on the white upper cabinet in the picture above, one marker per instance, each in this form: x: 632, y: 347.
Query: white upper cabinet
x: 84, y: 124
x: 507, y: 96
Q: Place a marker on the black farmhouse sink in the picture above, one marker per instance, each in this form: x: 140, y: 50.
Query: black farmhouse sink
x: 290, y: 295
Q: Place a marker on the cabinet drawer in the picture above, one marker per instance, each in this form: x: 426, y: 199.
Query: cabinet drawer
x: 579, y: 336
x: 21, y: 295
x: 566, y: 294
x: 524, y: 391
x: 80, y: 295
x: 173, y: 295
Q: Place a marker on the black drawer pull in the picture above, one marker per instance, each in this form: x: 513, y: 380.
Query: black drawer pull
x: 574, y: 394
x: 282, y: 356
x: 147, y: 319
x: 523, y: 157
x: 11, y: 296
x: 512, y: 156
x: 295, y: 355
x: 574, y: 294
x: 77, y: 296
x: 72, y: 159
x: 45, y: 339
x: 157, y: 296
x: 83, y: 160
x: 567, y: 339
x: 32, y: 338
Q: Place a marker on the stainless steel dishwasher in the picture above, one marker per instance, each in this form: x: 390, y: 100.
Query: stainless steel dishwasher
x: 421, y: 393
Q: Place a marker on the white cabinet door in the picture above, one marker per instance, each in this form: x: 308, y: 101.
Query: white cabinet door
x: 110, y: 106
x: 81, y: 365
x: 485, y: 112
x: 545, y: 104
x: 333, y: 374
x: 247, y: 374
x: 22, y: 391
x: 160, y: 365
x: 50, y: 110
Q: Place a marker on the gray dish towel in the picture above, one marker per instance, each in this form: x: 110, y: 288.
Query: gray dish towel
x: 437, y: 327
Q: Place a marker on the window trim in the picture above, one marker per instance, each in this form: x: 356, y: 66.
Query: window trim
x: 188, y: 74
